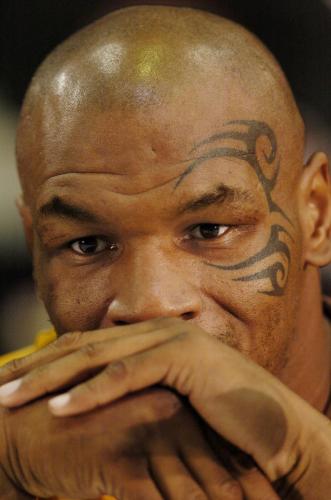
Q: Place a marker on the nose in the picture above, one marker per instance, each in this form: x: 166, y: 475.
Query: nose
x: 152, y: 286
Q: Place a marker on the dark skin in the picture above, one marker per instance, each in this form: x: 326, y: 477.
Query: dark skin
x: 180, y: 244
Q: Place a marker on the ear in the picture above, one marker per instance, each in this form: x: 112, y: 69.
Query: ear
x: 315, y: 211
x: 26, y: 218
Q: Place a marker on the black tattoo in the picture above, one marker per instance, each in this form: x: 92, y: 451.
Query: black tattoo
x: 267, y: 173
x: 277, y: 272
x: 263, y: 158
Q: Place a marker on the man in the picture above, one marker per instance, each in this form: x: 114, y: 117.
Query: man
x: 177, y: 233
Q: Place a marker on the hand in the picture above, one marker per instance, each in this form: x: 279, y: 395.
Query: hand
x: 145, y: 446
x: 126, y: 450
x: 240, y: 401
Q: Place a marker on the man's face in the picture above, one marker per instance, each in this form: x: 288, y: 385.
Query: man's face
x: 179, y: 209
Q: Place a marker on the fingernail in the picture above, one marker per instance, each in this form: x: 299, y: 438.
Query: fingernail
x: 8, y: 389
x: 59, y: 402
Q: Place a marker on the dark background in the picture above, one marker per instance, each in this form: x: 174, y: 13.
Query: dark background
x: 298, y: 32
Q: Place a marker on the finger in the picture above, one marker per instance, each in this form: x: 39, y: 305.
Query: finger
x: 256, y: 486
x: 174, y: 480
x: 79, y: 365
x: 133, y: 480
x: 116, y: 380
x: 171, y: 365
x: 141, y: 489
x: 254, y: 483
x: 171, y: 476
x: 215, y: 479
x: 70, y: 342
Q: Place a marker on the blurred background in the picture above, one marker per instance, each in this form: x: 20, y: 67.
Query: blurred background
x: 298, y: 32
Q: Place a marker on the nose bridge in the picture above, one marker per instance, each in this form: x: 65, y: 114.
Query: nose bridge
x: 153, y: 285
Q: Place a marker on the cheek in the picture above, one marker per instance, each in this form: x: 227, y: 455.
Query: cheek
x: 262, y: 326
x: 275, y: 331
x: 75, y: 299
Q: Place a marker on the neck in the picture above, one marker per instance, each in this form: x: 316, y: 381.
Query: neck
x: 308, y: 372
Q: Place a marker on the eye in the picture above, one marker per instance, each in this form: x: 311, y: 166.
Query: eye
x: 208, y: 231
x: 91, y: 245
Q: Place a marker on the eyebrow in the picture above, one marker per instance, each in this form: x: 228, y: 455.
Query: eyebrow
x: 219, y: 195
x: 60, y: 208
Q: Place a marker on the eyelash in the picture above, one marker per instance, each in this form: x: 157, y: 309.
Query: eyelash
x: 108, y: 245
x: 213, y: 225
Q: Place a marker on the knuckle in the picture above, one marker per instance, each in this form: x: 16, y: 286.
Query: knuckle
x: 230, y: 489
x: 38, y: 373
x: 198, y: 496
x: 38, y: 377
x: 90, y: 392
x: 193, y: 493
x: 117, y: 371
x: 90, y: 351
x: 68, y: 341
x: 12, y: 369
x: 89, y: 389
x: 164, y: 403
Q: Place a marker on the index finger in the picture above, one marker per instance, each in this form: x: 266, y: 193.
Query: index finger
x: 70, y: 342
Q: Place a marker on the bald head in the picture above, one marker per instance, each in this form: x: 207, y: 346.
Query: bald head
x: 140, y: 57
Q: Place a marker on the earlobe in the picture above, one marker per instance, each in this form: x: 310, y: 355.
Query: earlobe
x: 315, y: 211
x: 26, y: 218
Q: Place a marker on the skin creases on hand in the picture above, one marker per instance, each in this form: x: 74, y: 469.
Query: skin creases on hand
x: 174, y: 359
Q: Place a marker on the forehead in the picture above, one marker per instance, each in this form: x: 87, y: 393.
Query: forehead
x: 149, y: 145
x: 156, y: 167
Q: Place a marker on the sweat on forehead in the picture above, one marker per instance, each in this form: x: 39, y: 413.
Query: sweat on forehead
x: 140, y: 58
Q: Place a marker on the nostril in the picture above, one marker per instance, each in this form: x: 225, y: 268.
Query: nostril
x: 120, y: 323
x: 188, y: 315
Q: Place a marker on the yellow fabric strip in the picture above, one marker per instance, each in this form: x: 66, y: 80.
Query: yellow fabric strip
x: 5, y: 358
x: 42, y: 339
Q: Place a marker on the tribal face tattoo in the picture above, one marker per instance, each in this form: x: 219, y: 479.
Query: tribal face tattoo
x: 259, y: 149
